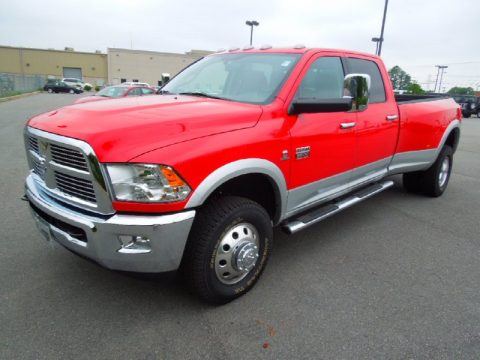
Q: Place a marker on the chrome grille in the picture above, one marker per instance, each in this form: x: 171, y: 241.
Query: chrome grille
x: 67, y: 170
x: 33, y: 144
x: 74, y: 186
x: 68, y: 157
x: 38, y: 167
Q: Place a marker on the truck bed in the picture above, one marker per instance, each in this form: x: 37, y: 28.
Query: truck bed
x: 411, y: 98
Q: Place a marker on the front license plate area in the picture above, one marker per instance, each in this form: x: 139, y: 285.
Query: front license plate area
x: 42, y: 226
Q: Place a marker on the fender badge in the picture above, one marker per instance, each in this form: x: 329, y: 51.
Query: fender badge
x: 303, y: 152
x: 285, y: 155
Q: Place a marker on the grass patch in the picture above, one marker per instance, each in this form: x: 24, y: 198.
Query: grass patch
x: 9, y: 93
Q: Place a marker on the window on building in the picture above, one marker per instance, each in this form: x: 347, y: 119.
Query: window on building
x: 123, y: 80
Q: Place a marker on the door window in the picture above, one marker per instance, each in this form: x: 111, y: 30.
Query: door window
x: 135, y: 92
x: 324, y: 80
x: 377, y: 88
x: 146, y: 91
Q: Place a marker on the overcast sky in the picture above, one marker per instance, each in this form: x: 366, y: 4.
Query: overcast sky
x: 418, y: 34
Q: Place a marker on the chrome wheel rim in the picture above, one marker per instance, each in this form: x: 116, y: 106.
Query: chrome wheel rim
x: 237, y: 253
x: 444, y: 170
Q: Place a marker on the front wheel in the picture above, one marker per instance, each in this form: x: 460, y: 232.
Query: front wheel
x: 50, y: 91
x: 72, y: 91
x: 227, y: 249
x: 433, y: 181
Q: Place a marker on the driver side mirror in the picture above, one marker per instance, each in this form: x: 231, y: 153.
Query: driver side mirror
x: 357, y: 87
x: 355, y: 98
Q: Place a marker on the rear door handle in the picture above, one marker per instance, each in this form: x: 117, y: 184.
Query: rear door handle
x: 347, y: 125
x: 392, y: 117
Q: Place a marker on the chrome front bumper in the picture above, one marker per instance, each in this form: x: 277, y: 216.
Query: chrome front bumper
x: 101, y: 236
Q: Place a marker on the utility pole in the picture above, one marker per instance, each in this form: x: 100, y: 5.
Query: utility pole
x: 442, y: 70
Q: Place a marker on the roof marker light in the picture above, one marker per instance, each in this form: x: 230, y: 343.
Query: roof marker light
x: 265, y: 47
x: 299, y: 46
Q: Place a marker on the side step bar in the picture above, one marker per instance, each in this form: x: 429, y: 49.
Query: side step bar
x: 318, y: 214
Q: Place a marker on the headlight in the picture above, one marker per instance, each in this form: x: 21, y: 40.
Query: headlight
x: 147, y: 183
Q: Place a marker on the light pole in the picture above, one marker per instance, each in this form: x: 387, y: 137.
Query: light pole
x: 251, y: 24
x: 379, y: 40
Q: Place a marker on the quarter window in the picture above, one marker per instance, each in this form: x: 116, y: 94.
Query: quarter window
x: 324, y: 80
x: 377, y: 88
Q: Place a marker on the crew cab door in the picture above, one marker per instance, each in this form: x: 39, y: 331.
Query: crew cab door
x: 377, y: 126
x: 322, y: 147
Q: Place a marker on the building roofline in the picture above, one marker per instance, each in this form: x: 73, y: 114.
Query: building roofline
x: 192, y: 53
x: 53, y: 50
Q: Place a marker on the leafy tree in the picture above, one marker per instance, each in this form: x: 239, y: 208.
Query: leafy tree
x: 414, y: 88
x: 458, y: 90
x: 400, y: 79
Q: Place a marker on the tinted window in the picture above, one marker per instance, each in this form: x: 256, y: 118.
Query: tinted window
x: 377, y: 88
x: 146, y: 91
x: 135, y: 92
x: 324, y: 80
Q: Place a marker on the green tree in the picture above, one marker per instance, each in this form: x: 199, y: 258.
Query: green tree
x: 400, y: 79
x: 416, y: 89
x: 458, y: 90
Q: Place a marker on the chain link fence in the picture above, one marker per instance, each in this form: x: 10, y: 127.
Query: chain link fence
x: 15, y: 83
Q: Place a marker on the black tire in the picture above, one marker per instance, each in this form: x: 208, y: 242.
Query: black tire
x: 213, y: 224
x: 433, y: 181
x: 467, y: 115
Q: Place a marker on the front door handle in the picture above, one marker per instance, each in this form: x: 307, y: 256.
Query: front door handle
x: 392, y: 117
x: 347, y: 125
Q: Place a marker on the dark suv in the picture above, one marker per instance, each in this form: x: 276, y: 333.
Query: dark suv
x: 470, y: 104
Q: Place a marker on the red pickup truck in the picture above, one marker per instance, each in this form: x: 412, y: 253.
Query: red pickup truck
x: 237, y: 143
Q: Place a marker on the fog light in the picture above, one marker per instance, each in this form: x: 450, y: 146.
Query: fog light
x: 134, y: 244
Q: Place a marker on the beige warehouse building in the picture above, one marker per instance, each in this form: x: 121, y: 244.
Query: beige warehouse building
x: 25, y: 69
x: 147, y: 66
x: 39, y: 64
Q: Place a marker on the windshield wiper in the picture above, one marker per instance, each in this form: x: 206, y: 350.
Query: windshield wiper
x: 202, y: 94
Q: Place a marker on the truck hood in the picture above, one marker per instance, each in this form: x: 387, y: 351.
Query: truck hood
x: 122, y: 129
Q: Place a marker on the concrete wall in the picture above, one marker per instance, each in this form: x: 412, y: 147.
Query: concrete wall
x: 50, y: 63
x: 147, y: 66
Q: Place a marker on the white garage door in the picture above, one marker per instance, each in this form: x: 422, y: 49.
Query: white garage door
x: 69, y: 72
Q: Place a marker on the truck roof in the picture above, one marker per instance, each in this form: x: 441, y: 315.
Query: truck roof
x: 293, y: 50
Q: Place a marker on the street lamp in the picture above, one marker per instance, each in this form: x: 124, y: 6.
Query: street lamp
x: 376, y: 40
x: 379, y: 40
x: 251, y: 24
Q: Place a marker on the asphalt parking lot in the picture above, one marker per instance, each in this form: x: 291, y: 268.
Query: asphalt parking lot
x: 395, y: 277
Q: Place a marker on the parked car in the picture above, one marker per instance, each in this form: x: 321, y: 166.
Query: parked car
x: 239, y: 142
x: 60, y: 86
x: 117, y: 92
x: 135, y: 83
x: 77, y: 83
x: 470, y: 105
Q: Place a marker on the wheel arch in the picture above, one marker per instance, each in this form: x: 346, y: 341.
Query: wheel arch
x: 257, y: 179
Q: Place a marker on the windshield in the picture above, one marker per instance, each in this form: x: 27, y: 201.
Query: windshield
x: 113, y: 91
x: 247, y: 77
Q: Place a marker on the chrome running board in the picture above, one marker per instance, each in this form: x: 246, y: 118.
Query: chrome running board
x: 320, y: 213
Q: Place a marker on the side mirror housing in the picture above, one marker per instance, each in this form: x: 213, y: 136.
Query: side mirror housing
x: 357, y: 87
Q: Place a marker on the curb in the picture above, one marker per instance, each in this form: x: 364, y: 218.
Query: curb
x: 18, y: 96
